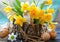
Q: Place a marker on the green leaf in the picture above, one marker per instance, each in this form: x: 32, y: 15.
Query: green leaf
x: 46, y: 12
x: 5, y: 3
x: 42, y: 5
x: 14, y: 9
x: 18, y: 10
x: 17, y: 7
x: 18, y: 3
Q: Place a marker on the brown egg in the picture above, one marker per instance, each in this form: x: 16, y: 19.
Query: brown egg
x: 4, y: 33
x: 53, y: 34
x: 45, y: 36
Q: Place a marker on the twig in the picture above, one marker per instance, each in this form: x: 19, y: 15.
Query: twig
x: 26, y: 37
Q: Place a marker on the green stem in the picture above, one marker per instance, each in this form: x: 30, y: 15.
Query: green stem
x: 42, y: 5
x: 36, y: 21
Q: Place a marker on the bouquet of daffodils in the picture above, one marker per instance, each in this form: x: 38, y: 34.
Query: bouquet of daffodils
x: 32, y: 20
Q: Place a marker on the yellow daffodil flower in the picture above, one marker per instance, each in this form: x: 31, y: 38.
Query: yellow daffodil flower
x: 49, y: 2
x: 51, y: 11
x: 8, y: 9
x: 52, y: 26
x: 24, y: 20
x: 48, y: 17
x: 33, y: 11
x: 41, y: 14
x: 11, y: 17
x: 19, y: 20
x: 25, y: 6
x: 18, y: 17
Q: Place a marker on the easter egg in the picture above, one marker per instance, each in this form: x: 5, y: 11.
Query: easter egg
x: 4, y: 33
x: 45, y: 36
x: 53, y: 34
